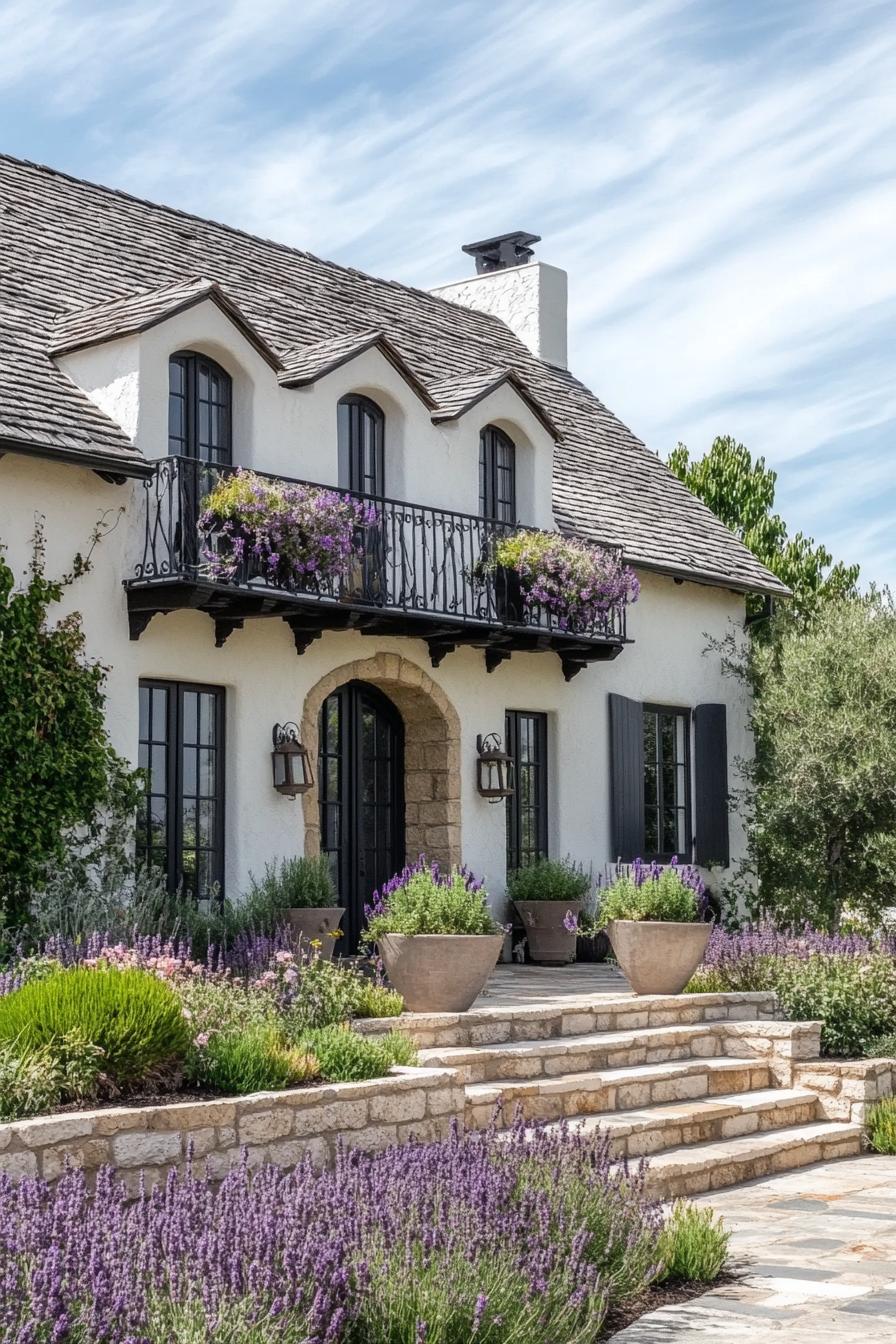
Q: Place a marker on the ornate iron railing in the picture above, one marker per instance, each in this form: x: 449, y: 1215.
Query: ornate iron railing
x: 414, y: 559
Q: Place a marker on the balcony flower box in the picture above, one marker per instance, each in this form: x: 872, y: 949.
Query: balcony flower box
x: 575, y: 584
x: 291, y: 535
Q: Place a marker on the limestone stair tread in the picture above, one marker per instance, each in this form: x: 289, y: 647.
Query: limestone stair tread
x: 694, y: 1168
x: 724, y: 1107
x: 455, y: 1056
x: 594, y: 1079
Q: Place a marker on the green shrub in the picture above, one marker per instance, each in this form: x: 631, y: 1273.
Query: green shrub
x: 882, y: 1047
x: 881, y: 1126
x: 378, y: 1001
x: 854, y: 997
x: 132, y: 1016
x: 549, y: 880
x: 28, y: 1082
x: 693, y: 1245
x: 255, y: 1060
x: 422, y: 900
x: 290, y: 884
x: 344, y: 1056
x: 325, y: 992
x: 665, y: 897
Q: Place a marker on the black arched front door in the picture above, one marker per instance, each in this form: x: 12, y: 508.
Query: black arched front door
x: 361, y: 786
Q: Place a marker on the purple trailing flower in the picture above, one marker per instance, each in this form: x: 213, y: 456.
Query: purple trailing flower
x: 299, y: 536
x: 580, y: 586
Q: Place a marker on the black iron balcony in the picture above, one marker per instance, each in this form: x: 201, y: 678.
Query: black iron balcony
x: 415, y: 570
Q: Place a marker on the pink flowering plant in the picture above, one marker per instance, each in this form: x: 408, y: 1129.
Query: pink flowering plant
x: 578, y: 584
x: 292, y: 535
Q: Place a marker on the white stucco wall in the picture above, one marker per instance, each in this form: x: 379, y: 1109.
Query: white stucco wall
x: 266, y: 681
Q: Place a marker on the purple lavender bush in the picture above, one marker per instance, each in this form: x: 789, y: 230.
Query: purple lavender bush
x: 527, y: 1239
x: 846, y: 981
x: 424, y: 899
x: 292, y: 535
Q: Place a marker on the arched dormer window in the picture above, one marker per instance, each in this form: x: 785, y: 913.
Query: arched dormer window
x: 360, y: 425
x: 497, y: 475
x: 200, y: 399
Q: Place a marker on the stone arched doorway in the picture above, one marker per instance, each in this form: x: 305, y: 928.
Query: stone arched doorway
x: 431, y: 751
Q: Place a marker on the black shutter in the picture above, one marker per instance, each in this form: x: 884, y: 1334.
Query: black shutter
x: 626, y: 777
x: 711, y: 785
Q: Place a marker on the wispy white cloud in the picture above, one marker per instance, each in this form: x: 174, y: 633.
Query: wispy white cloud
x: 717, y: 178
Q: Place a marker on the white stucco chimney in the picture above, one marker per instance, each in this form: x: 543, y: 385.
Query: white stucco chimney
x: 528, y: 295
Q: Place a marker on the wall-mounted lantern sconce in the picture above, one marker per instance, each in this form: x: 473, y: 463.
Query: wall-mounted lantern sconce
x: 494, y: 769
x: 290, y: 761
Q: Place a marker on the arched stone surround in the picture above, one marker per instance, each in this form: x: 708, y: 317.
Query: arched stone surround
x: 432, y: 783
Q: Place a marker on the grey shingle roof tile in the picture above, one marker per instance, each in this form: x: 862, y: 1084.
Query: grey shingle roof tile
x: 68, y: 245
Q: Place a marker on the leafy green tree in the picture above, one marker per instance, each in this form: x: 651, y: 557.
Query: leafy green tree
x: 60, y: 778
x: 741, y: 492
x: 823, y: 799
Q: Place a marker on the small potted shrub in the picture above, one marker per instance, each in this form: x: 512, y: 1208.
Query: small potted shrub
x: 301, y: 893
x: 549, y: 896
x: 436, y: 936
x: 654, y: 917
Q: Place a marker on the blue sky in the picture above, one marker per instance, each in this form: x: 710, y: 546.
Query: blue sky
x: 717, y: 176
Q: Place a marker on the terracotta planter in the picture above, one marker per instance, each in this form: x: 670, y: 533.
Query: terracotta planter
x: 655, y: 956
x: 439, y: 972
x: 550, y: 943
x: 316, y: 921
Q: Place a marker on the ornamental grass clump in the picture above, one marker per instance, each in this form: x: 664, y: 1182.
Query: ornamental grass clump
x: 578, y: 584
x: 343, y: 1056
x: 290, y: 534
x: 650, y: 891
x: 881, y: 1126
x: 131, y: 1015
x: 423, y: 899
x: 693, y: 1245
x: 524, y: 1239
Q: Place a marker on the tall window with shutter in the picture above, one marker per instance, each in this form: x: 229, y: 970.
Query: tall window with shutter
x: 669, y: 785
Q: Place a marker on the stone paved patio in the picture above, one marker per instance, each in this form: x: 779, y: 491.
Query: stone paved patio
x: 513, y: 986
x: 815, y: 1254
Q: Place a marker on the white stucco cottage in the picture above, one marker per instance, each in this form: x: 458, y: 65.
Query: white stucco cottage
x: 145, y: 354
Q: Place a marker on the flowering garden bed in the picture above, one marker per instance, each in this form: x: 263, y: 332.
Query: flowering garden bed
x: 527, y: 1239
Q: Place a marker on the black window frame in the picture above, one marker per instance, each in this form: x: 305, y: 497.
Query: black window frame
x: 517, y: 856
x: 662, y: 855
x: 173, y: 793
x: 497, y: 502
x: 354, y: 413
x: 188, y: 443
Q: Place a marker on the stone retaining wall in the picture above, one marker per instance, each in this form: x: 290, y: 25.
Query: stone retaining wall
x: 279, y: 1127
x: 847, y: 1087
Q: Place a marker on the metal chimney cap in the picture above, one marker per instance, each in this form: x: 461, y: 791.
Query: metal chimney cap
x: 502, y: 252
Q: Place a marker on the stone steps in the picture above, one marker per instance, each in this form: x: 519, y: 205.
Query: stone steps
x: 635, y: 1134
x: 581, y: 1054
x: 694, y: 1169
x: 573, y: 1094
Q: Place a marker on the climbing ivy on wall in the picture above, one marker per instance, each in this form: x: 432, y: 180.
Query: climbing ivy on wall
x: 59, y: 775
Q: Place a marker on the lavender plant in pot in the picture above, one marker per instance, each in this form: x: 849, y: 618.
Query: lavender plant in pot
x: 299, y: 892
x: 549, y: 897
x: 654, y: 917
x: 436, y: 936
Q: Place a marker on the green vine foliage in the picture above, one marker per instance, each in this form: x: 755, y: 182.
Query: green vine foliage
x: 60, y: 778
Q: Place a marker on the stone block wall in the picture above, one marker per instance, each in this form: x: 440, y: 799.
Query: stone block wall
x: 278, y: 1127
x: 846, y: 1088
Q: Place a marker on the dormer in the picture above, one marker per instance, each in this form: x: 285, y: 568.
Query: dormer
x: 142, y: 356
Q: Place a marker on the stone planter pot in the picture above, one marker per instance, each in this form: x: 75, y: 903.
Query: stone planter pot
x: 655, y: 956
x: 550, y: 943
x: 316, y: 921
x: 439, y: 972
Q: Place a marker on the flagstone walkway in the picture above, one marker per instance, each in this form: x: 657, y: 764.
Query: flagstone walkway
x: 815, y: 1255
x: 511, y: 986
